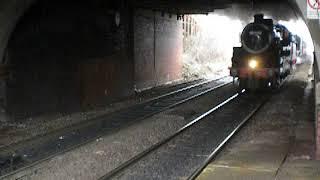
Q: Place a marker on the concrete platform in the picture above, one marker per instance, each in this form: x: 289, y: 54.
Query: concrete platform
x: 257, y: 159
x: 278, y: 143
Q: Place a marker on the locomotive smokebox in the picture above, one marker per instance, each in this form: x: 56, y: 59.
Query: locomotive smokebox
x: 257, y: 36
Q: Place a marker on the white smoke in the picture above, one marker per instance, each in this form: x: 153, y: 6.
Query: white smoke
x: 208, y: 54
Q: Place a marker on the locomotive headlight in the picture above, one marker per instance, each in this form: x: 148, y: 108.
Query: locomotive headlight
x: 253, y: 64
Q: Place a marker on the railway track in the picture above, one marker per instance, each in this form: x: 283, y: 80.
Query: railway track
x: 18, y: 157
x: 160, y: 160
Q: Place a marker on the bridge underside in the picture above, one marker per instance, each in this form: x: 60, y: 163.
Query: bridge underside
x: 62, y: 56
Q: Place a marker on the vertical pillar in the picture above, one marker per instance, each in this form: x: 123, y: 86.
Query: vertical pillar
x: 317, y: 121
x: 317, y: 107
x: 190, y: 25
x: 187, y: 26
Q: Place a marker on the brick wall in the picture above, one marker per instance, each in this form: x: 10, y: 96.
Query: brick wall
x: 157, y: 48
x: 67, y: 54
x: 169, y: 48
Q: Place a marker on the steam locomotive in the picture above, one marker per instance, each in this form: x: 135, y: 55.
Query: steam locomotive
x: 266, y: 56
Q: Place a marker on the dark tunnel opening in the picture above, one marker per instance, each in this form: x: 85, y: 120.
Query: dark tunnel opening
x: 107, y: 80
x: 65, y: 55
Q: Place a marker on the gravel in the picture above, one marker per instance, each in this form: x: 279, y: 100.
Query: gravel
x: 15, y: 130
x: 97, y: 158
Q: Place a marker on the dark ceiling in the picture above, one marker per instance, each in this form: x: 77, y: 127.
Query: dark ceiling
x: 196, y: 6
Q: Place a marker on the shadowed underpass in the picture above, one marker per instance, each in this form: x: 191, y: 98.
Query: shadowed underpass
x: 134, y: 89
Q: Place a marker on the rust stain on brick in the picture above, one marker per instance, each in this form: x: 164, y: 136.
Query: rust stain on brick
x: 100, y: 79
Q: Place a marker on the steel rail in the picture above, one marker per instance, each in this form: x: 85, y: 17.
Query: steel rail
x: 156, y: 146
x: 216, y: 151
x: 187, y: 88
x: 62, y: 151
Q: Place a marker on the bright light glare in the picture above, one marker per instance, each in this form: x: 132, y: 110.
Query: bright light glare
x: 253, y: 64
x: 217, y: 36
x: 221, y: 30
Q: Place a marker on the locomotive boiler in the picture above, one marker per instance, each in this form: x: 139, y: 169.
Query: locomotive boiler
x: 265, y: 57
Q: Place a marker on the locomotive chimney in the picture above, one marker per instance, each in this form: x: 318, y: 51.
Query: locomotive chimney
x: 258, y: 18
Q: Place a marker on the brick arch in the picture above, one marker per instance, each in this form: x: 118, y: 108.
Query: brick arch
x: 11, y: 12
x: 65, y: 57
